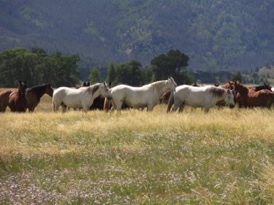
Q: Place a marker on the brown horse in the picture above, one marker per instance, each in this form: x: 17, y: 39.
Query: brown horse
x: 249, y: 97
x: 4, y: 99
x: 260, y: 87
x: 17, y: 99
x: 35, y: 93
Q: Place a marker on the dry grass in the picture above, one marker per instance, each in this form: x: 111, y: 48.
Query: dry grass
x: 224, y: 157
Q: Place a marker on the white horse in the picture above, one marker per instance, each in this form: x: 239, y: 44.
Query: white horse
x: 140, y: 97
x: 82, y: 97
x: 204, y: 97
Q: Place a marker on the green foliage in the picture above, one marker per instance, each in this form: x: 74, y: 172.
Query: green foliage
x: 237, y: 77
x: 37, y: 67
x: 216, y: 34
x: 130, y: 73
x: 94, y: 75
x: 172, y: 64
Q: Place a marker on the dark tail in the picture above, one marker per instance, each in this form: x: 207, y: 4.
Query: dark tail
x: 170, y: 102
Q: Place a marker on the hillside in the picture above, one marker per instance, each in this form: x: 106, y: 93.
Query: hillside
x: 215, y: 34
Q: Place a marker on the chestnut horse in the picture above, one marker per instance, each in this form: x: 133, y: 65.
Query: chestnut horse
x: 4, y: 99
x: 17, y: 99
x: 249, y: 97
x: 35, y: 93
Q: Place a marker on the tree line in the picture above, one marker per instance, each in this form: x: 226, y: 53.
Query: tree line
x: 36, y: 66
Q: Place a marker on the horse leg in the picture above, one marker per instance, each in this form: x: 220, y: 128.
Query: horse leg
x: 181, y: 108
x: 106, y: 105
x: 55, y: 106
x: 206, y: 109
x: 31, y: 109
x: 176, y: 105
x: 170, y: 102
x: 64, y: 107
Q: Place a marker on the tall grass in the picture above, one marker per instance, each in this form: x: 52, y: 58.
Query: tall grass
x: 223, y: 157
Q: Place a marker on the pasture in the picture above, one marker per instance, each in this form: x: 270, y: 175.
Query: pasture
x: 136, y: 157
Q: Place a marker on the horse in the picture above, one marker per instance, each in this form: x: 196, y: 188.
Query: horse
x: 35, y: 93
x: 17, y: 99
x: 229, y: 85
x: 204, y: 97
x: 249, y: 97
x: 98, y: 103
x: 260, y: 87
x: 140, y: 97
x: 4, y: 99
x: 164, y: 98
x: 82, y: 97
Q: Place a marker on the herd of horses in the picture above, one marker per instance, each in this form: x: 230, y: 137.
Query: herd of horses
x: 100, y: 96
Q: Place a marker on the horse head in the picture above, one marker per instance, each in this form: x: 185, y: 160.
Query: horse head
x: 22, y: 88
x: 171, y: 84
x: 105, y: 90
x: 49, y: 89
x: 229, y: 98
x: 240, y: 88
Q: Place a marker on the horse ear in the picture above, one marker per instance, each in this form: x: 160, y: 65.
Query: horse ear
x: 109, y: 84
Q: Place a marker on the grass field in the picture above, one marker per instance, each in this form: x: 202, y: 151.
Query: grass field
x: 223, y: 157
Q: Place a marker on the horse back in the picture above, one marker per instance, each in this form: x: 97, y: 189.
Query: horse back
x: 17, y: 103
x: 261, y: 98
x: 4, y: 99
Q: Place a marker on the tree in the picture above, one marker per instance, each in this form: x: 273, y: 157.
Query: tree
x: 111, y: 74
x: 94, y: 75
x: 237, y: 77
x: 130, y: 73
x: 37, y: 67
x: 173, y: 64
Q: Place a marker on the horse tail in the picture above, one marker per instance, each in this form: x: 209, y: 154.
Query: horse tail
x: 170, y: 101
x: 106, y: 105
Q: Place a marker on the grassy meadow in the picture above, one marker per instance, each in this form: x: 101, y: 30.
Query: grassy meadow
x: 223, y: 157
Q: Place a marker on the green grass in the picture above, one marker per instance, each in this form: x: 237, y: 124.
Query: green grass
x: 223, y: 157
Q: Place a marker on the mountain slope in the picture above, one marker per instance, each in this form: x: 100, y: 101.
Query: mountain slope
x: 215, y: 34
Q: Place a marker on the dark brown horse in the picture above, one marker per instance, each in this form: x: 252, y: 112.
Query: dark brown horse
x: 260, y: 87
x: 35, y: 93
x: 17, y: 99
x: 249, y: 97
x: 4, y: 99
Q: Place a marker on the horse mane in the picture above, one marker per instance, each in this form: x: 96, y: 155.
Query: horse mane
x: 157, y: 83
x: 160, y: 82
x: 216, y: 91
x: 241, y: 88
x: 93, y: 88
x: 38, y: 88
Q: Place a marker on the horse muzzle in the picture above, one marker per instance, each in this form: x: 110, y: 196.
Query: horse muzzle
x: 109, y: 97
x: 231, y: 106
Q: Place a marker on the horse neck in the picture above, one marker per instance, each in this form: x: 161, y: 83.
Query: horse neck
x: 97, y: 91
x: 39, y: 91
x: 160, y: 87
x: 242, y: 89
